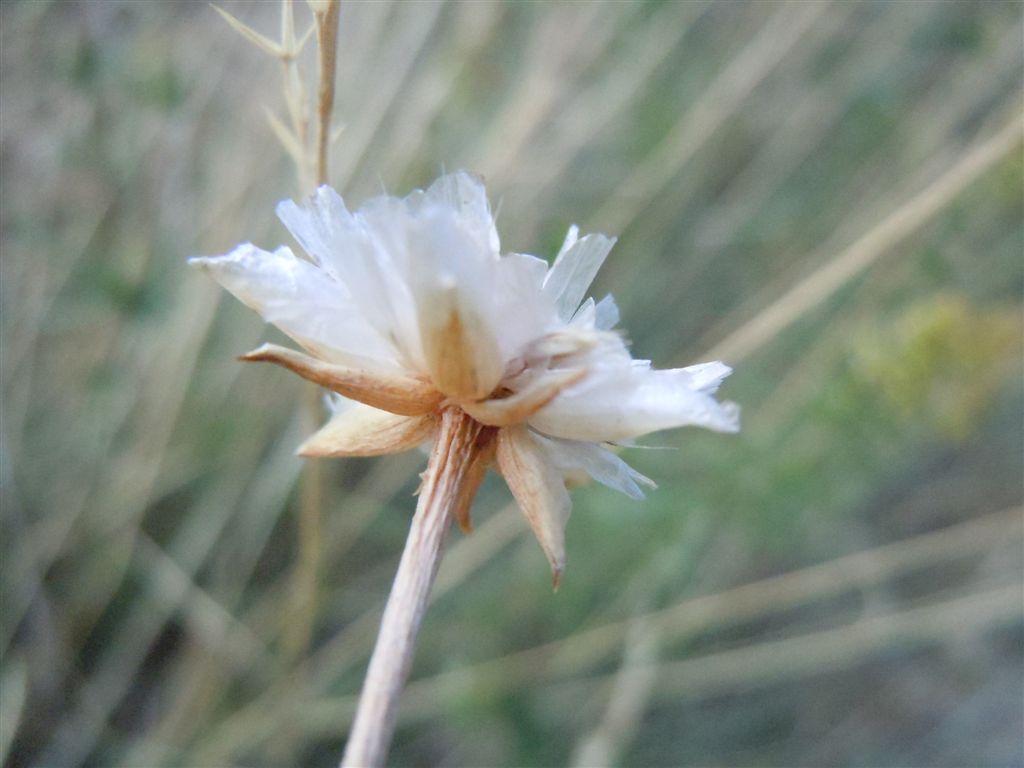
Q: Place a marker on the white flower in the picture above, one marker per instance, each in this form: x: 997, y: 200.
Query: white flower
x: 407, y: 306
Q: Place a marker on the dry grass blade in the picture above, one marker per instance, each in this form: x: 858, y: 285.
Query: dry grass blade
x: 398, y: 54
x: 13, y: 688
x: 261, y: 41
x: 939, y: 622
x: 629, y: 697
x: 817, y: 287
x: 572, y: 656
x: 564, y: 44
x: 327, y: 39
x: 303, y: 608
x: 288, y: 140
x: 722, y: 97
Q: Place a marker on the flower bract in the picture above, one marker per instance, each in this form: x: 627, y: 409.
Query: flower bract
x: 407, y: 306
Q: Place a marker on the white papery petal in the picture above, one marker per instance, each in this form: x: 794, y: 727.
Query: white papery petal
x: 600, y: 316
x: 453, y: 287
x: 570, y: 240
x: 707, y: 377
x: 466, y: 194
x: 321, y: 224
x: 409, y: 263
x: 361, y: 251
x: 600, y: 463
x: 606, y: 314
x: 305, y: 302
x: 461, y: 352
x: 626, y: 402
x: 519, y: 307
x: 574, y: 270
x: 586, y: 315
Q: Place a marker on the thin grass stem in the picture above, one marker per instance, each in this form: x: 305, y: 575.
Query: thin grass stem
x: 813, y: 290
x: 300, y: 630
x: 327, y: 41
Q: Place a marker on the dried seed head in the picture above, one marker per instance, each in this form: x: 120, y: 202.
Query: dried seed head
x: 408, y: 307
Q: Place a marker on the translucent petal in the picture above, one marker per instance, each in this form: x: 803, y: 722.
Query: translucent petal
x: 707, y: 377
x: 318, y: 224
x: 571, y: 236
x: 597, y: 461
x: 519, y: 307
x: 305, y: 302
x: 465, y: 193
x: 586, y: 315
x: 628, y: 401
x: 367, y: 253
x: 409, y: 263
x: 606, y: 314
x: 574, y: 270
x: 600, y: 316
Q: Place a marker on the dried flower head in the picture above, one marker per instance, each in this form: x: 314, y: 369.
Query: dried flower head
x: 407, y: 307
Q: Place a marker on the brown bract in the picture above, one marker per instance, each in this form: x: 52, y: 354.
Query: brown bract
x: 396, y: 412
x: 403, y: 395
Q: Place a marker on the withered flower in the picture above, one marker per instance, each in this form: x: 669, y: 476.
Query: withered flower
x: 407, y: 309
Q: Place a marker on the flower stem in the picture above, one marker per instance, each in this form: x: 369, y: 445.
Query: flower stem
x: 374, y: 722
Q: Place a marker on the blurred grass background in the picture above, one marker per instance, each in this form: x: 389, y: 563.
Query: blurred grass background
x: 826, y: 195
